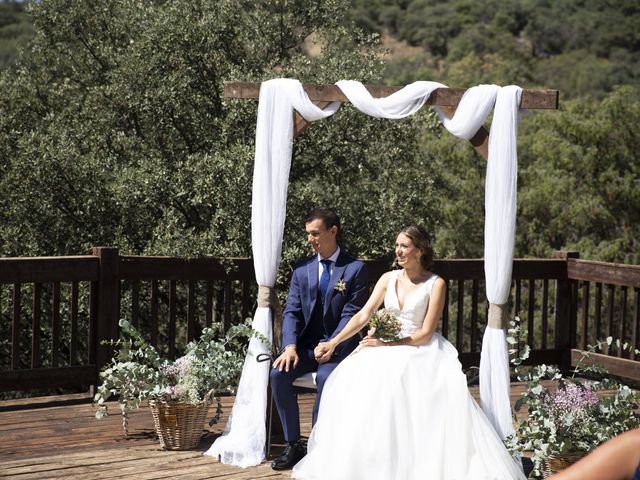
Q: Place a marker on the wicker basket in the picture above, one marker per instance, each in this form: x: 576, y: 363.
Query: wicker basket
x: 179, y: 425
x: 555, y: 463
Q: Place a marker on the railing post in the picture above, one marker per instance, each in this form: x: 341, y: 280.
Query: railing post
x: 108, y: 301
x: 565, y: 313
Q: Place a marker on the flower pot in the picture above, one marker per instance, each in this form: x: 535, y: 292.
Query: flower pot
x: 179, y: 425
x: 559, y: 461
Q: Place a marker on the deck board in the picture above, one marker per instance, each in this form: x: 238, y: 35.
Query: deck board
x: 44, y: 438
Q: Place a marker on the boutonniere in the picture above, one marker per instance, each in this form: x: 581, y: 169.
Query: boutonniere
x: 341, y: 286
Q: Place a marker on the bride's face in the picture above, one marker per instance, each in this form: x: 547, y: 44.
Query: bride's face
x: 407, y: 254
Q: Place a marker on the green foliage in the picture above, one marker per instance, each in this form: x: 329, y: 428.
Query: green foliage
x: 579, y: 174
x: 117, y: 133
x: 114, y: 129
x: 578, y: 47
x: 210, y: 366
x: 566, y: 414
x: 15, y: 32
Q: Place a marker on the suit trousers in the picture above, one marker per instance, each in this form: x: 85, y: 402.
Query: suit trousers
x: 285, y: 397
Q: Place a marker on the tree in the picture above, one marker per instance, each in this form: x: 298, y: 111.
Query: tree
x: 580, y: 178
x: 116, y: 132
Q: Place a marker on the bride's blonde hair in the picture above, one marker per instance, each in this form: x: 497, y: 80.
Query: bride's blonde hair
x: 422, y: 240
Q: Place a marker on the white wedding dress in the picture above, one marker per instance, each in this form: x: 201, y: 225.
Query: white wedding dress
x: 403, y: 413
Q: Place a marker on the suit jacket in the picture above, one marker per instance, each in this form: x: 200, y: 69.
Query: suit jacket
x: 339, y: 307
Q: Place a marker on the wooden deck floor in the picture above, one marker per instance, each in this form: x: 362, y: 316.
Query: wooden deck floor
x: 53, y: 439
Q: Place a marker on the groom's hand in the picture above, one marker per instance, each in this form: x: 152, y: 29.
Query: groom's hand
x: 323, y: 352
x: 287, y: 359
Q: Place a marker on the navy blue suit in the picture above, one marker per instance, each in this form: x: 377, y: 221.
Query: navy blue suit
x: 309, y: 320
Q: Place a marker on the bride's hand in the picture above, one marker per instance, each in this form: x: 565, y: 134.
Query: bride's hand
x: 370, y: 341
x: 323, y: 352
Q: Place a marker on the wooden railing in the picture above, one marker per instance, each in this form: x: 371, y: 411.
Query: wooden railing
x: 56, y: 311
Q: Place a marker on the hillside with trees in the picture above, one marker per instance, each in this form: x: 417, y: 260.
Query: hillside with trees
x: 114, y: 130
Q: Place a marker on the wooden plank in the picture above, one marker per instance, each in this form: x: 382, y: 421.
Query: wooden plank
x: 518, y: 295
x: 15, y: 327
x: 621, y: 367
x: 227, y: 305
x: 300, y: 124
x: 208, y: 300
x: 73, y: 343
x: 585, y: 315
x: 532, y: 99
x: 445, y: 312
x: 191, y: 310
x: 473, y: 269
x: 474, y: 315
x: 48, y: 269
x: 55, y: 325
x: 611, y: 273
x: 172, y: 319
x: 153, y: 324
x: 247, y: 302
x: 562, y: 325
x: 171, y: 268
x: 135, y: 303
x: 598, y: 313
x: 635, y: 338
x: 536, y: 357
x: 573, y: 312
x: 108, y: 302
x: 610, y: 306
x: 545, y: 307
x: 35, y: 325
x: 460, y: 316
x: 622, y: 326
x: 530, y: 314
x: 41, y: 378
x: 93, y: 321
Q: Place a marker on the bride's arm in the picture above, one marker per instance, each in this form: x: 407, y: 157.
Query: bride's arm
x: 324, y: 350
x: 436, y: 303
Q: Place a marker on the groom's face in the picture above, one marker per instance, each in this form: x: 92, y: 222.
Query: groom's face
x: 321, y: 238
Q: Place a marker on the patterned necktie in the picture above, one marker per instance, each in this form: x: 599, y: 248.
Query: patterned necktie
x: 324, y: 278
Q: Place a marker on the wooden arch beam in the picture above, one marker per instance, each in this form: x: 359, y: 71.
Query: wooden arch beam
x: 446, y: 98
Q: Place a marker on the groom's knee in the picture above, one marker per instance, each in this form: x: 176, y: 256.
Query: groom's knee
x: 279, y: 378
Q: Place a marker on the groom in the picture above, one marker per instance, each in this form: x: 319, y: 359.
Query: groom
x: 326, y: 290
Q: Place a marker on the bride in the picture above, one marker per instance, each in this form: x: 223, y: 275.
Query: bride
x: 401, y: 409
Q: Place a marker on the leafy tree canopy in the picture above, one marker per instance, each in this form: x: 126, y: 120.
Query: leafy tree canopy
x: 115, y: 131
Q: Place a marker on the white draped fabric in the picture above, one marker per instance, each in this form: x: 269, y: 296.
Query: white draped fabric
x: 244, y: 439
x: 499, y: 238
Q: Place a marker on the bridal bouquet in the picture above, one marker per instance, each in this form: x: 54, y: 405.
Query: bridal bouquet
x: 384, y: 325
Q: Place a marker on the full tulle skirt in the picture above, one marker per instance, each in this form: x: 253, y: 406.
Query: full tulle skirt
x: 403, y: 413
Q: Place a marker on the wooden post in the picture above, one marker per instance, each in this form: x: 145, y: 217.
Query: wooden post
x: 108, y: 300
x: 564, y: 314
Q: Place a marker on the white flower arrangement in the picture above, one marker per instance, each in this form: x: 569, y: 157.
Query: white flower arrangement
x: 137, y: 373
x: 567, y: 413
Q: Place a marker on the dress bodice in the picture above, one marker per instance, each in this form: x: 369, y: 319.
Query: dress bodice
x: 412, y: 313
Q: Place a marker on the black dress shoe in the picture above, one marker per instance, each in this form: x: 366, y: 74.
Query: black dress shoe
x: 292, y: 454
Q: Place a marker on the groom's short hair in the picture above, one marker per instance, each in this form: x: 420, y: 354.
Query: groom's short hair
x: 328, y: 216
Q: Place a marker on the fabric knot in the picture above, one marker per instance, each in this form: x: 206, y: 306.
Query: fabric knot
x: 267, y: 297
x: 498, y: 316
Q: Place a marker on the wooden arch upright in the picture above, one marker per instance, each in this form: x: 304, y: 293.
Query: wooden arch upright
x: 445, y: 98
